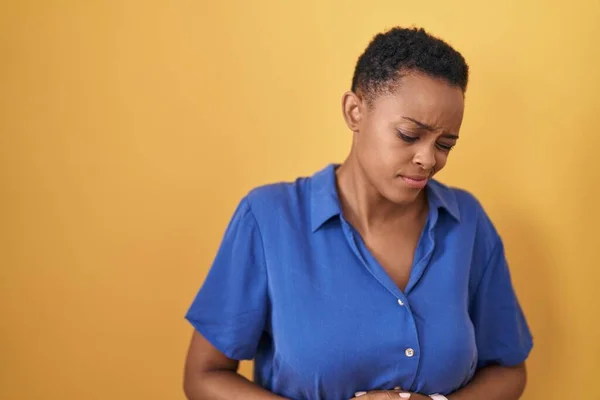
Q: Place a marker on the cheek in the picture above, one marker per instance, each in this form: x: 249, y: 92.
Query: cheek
x: 440, y: 160
x: 377, y: 143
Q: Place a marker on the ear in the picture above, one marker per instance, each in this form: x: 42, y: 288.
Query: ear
x: 353, y: 109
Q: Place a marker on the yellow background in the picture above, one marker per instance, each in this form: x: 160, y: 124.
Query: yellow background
x: 131, y: 129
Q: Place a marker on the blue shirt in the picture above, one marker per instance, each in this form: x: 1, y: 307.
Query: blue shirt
x: 294, y: 287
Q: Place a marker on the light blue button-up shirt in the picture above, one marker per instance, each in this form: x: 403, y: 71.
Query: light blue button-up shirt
x: 294, y: 287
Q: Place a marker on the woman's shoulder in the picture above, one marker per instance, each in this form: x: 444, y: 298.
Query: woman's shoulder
x: 471, y: 209
x: 279, y: 198
x: 464, y: 200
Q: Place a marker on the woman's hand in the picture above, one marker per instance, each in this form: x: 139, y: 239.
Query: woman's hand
x: 389, y: 394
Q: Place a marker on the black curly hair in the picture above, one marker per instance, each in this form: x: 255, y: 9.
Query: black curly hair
x: 398, y: 51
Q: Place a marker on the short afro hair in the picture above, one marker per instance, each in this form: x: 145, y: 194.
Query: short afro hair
x: 398, y: 51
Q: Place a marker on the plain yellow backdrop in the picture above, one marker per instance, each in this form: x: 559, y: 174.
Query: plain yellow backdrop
x: 131, y: 129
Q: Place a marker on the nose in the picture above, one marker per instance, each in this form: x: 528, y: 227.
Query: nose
x: 425, y: 157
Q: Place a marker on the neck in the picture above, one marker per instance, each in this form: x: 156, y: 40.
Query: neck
x: 364, y: 206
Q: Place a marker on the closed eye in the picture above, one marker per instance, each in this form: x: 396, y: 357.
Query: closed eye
x: 411, y: 139
x: 406, y: 138
x: 444, y: 147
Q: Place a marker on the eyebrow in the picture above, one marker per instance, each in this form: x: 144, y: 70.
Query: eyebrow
x: 431, y: 128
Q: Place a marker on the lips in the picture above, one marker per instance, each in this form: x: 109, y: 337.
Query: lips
x: 416, y: 182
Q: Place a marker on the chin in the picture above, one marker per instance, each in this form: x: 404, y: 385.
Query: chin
x: 403, y: 197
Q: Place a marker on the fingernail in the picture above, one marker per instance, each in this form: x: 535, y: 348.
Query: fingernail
x: 397, y: 388
x: 405, y: 395
x: 359, y: 394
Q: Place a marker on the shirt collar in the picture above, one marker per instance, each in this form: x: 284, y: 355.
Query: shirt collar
x: 325, y: 203
x: 441, y: 196
x: 324, y: 200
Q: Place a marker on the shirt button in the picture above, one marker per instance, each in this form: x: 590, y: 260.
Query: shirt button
x: 400, y: 302
x: 409, y: 352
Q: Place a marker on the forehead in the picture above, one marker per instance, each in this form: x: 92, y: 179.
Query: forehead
x: 429, y: 100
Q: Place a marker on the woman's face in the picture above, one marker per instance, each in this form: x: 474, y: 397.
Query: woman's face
x: 402, y: 139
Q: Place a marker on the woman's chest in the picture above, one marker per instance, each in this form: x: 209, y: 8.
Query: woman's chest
x: 339, y: 321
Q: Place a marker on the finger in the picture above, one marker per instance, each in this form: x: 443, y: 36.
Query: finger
x: 373, y: 394
x: 376, y: 394
x: 394, y: 394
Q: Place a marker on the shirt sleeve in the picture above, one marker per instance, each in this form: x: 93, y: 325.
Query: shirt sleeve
x: 501, y: 331
x: 230, y: 308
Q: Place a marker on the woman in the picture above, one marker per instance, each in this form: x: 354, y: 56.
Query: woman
x: 369, y: 278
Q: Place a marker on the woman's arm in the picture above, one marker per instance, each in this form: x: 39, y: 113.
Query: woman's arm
x: 494, y: 383
x: 209, y: 374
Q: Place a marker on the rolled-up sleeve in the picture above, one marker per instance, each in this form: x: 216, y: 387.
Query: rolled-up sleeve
x: 502, y: 334
x: 230, y: 309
